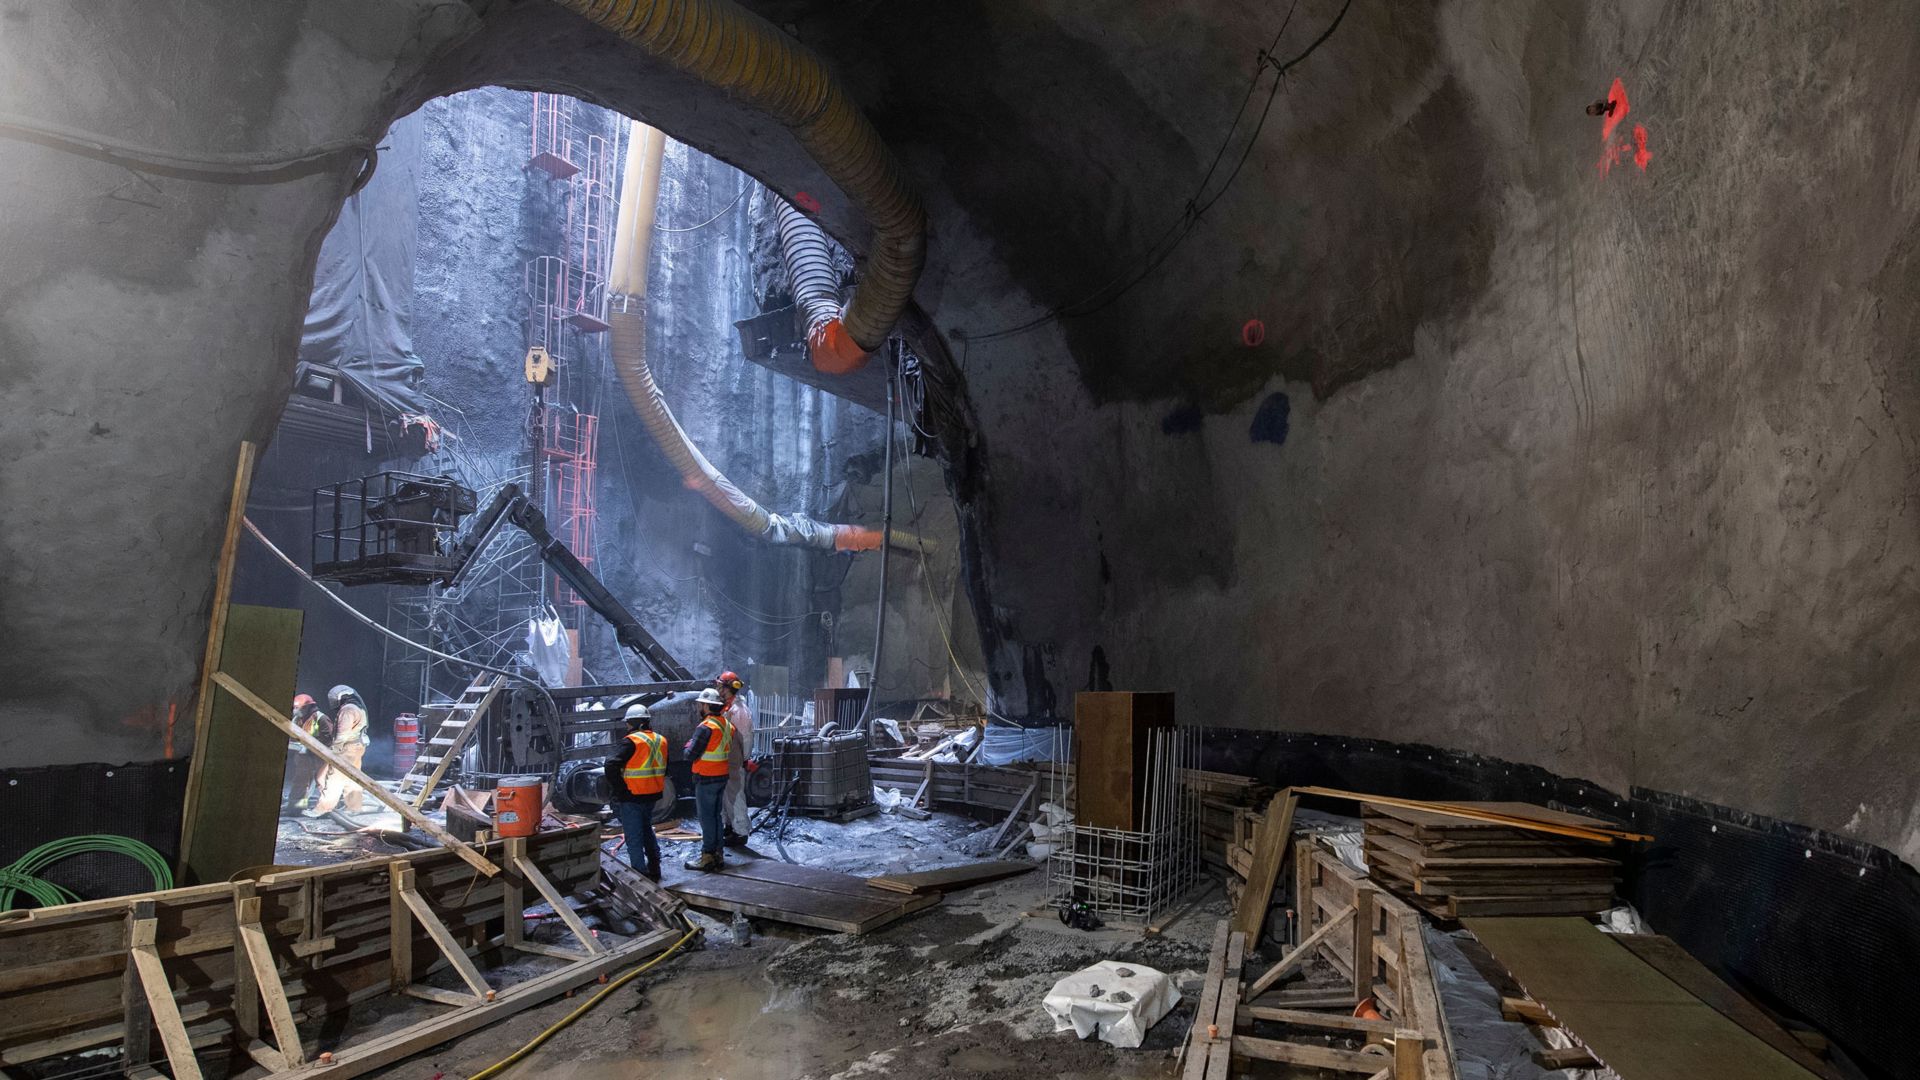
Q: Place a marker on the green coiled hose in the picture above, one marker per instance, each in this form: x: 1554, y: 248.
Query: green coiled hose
x: 24, y: 875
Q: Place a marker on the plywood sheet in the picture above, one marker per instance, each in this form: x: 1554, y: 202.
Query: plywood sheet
x: 1637, y: 1021
x: 801, y: 895
x: 240, y: 765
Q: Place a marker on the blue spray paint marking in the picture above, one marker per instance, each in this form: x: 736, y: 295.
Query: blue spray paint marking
x: 1182, y: 421
x: 1270, y: 420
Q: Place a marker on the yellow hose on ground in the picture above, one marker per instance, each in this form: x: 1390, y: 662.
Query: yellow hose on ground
x: 749, y: 58
x: 507, y: 1062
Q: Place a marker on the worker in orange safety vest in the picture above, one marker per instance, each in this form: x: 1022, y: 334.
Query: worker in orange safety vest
x: 709, y: 754
x: 636, y: 777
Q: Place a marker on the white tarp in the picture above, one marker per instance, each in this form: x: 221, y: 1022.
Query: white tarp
x: 1119, y: 1002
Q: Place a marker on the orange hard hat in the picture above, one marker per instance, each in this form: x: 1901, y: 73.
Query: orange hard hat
x: 729, y: 681
x: 301, y: 701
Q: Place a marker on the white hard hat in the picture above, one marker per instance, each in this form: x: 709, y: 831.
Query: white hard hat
x: 638, y: 712
x: 710, y: 696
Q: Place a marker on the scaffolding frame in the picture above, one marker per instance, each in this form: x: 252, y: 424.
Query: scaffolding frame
x: 1132, y: 876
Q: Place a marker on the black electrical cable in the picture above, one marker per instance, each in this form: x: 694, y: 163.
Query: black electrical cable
x: 1177, y: 231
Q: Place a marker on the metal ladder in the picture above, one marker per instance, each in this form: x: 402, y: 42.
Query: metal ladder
x: 448, y: 740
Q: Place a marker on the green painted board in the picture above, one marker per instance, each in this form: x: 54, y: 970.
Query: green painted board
x: 240, y: 769
x: 1637, y: 1021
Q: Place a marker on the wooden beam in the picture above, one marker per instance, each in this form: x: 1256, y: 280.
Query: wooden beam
x: 1313, y: 1057
x: 373, y: 787
x: 216, y: 636
x: 437, y: 930
x: 1205, y: 1031
x: 1297, y: 954
x: 136, y: 1024
x: 266, y: 978
x: 515, y: 893
x: 400, y: 1045
x: 1219, y: 1065
x: 1362, y: 941
x: 1270, y: 841
x: 1013, y: 815
x: 1526, y: 1011
x: 1408, y: 1046
x: 560, y: 906
x: 159, y: 992
x: 1304, y: 1018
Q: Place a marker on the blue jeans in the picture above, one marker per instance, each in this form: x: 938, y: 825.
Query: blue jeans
x: 637, y: 818
x: 708, y: 793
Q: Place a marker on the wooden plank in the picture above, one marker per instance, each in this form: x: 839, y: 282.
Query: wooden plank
x: 559, y: 904
x: 1360, y: 942
x: 373, y: 787
x: 1308, y: 997
x: 238, y: 763
x: 1422, y: 1000
x: 1635, y: 1019
x: 1013, y: 815
x: 1297, y: 954
x: 1312, y: 1057
x: 1304, y: 1018
x: 803, y: 896
x: 1565, y: 1057
x: 400, y: 1045
x: 136, y: 1024
x: 1463, y: 907
x: 1206, y: 1032
x: 1270, y: 841
x: 442, y: 937
x: 1225, y: 1017
x: 216, y: 642
x: 1417, y: 854
x: 264, y: 981
x: 1407, y: 1048
x: 1470, y: 813
x: 951, y: 877
x: 158, y: 989
x: 1526, y: 1011
x: 514, y: 908
x: 1667, y: 957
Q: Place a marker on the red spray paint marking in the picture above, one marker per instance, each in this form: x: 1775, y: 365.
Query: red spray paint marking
x: 171, y: 706
x: 1253, y: 333
x: 1613, y: 152
x: 806, y: 202
x: 1617, y: 96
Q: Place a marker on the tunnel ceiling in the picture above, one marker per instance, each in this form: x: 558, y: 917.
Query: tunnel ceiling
x: 1060, y: 147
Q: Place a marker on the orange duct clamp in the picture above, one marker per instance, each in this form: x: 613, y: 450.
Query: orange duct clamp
x: 856, y: 538
x: 833, y: 349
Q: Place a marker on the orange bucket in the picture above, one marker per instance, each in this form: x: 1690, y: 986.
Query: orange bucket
x: 516, y: 805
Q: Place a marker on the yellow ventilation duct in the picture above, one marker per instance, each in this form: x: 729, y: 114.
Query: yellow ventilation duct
x: 626, y: 314
x: 749, y: 58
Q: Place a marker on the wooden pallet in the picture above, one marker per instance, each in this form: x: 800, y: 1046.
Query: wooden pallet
x: 800, y: 895
x: 198, y: 965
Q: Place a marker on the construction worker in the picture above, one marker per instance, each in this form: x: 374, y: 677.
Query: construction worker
x: 735, y: 799
x: 708, y: 754
x: 350, y: 739
x: 636, y: 777
x: 302, y: 767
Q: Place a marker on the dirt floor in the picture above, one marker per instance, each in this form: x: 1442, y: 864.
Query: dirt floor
x: 951, y: 992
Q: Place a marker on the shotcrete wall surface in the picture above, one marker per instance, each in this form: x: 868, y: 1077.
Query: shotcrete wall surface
x: 1595, y: 446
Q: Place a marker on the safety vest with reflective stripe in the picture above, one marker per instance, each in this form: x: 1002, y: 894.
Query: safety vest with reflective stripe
x: 646, y: 771
x: 713, y: 762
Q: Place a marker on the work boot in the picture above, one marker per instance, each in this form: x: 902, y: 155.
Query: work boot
x: 734, y: 840
x: 652, y: 872
x: 706, y: 861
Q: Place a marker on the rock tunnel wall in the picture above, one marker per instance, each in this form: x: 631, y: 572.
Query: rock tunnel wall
x: 1603, y: 471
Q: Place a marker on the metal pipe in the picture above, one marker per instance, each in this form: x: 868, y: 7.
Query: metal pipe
x: 886, y: 545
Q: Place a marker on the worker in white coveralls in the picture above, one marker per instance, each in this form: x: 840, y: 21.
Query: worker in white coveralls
x: 737, y: 713
x: 350, y: 739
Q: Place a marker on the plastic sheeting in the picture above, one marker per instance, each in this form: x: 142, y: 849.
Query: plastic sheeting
x: 1116, y: 1001
x: 359, y: 315
x: 1006, y: 745
x: 549, y: 648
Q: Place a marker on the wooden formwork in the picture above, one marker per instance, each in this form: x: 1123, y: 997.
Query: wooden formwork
x: 243, y: 963
x: 1372, y: 940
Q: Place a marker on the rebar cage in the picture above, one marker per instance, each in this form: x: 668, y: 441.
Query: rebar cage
x: 1131, y: 876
